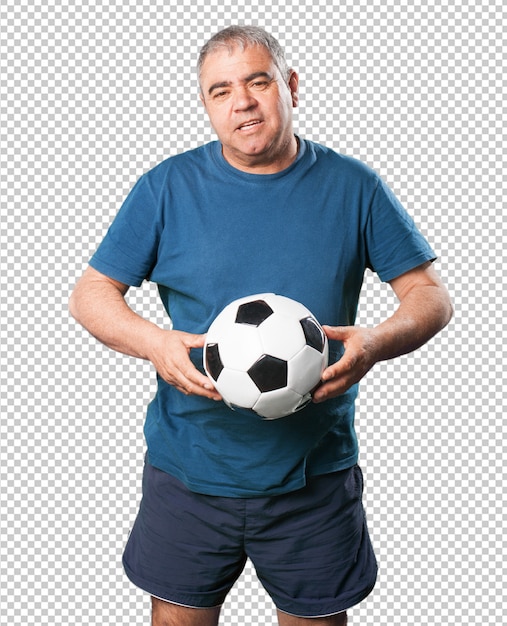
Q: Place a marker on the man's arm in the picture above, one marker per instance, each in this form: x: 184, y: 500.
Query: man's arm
x: 98, y: 303
x: 425, y: 308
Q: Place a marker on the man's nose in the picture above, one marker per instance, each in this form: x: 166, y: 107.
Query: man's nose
x: 243, y: 99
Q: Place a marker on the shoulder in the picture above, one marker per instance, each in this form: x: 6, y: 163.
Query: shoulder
x: 349, y: 175
x: 351, y: 166
x: 177, y: 172
x: 193, y: 157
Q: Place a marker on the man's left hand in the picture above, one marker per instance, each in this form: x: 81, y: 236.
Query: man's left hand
x: 358, y: 359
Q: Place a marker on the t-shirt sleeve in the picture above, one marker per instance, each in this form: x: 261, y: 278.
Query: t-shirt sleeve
x: 128, y: 252
x: 394, y: 243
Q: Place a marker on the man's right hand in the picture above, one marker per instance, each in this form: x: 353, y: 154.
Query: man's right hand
x: 170, y: 356
x: 98, y: 303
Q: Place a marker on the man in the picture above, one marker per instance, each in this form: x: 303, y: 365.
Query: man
x: 258, y: 210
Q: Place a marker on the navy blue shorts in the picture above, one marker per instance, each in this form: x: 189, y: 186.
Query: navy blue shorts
x: 310, y: 547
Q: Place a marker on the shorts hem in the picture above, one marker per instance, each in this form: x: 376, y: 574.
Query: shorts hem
x: 156, y: 591
x: 329, y: 611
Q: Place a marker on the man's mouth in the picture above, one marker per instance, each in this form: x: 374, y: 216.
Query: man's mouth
x: 250, y: 124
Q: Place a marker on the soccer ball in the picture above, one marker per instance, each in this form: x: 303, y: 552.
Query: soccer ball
x: 265, y: 353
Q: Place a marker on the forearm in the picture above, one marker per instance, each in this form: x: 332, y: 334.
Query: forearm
x: 424, y: 309
x: 101, y: 309
x: 421, y: 314
x: 98, y: 303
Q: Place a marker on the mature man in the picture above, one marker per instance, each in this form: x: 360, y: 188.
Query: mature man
x: 258, y: 210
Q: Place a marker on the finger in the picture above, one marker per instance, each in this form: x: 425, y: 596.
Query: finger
x: 184, y: 376
x: 338, y: 369
x: 329, y: 390
x: 337, y: 333
x: 194, y: 382
x: 336, y: 379
x: 190, y: 387
x: 193, y: 341
x: 176, y: 368
x: 333, y: 387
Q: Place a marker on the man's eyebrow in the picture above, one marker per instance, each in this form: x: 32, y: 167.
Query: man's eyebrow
x: 258, y: 75
x: 220, y: 85
x: 247, y: 79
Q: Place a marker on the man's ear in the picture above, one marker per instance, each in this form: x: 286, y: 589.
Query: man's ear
x: 294, y: 86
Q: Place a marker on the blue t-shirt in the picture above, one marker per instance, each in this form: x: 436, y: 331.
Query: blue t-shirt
x: 207, y: 234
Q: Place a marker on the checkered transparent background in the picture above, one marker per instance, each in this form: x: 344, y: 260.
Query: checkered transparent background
x: 92, y: 96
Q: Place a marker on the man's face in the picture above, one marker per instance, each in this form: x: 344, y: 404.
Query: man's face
x: 250, y: 108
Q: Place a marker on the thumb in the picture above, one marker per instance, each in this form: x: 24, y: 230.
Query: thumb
x: 191, y: 340
x: 337, y: 333
x: 198, y: 341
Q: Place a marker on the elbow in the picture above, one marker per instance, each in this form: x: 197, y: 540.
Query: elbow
x: 450, y: 312
x: 447, y: 310
x: 73, y: 306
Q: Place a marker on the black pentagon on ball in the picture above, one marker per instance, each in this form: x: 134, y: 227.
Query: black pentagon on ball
x: 253, y: 313
x: 269, y: 373
x: 314, y: 334
x: 214, y: 363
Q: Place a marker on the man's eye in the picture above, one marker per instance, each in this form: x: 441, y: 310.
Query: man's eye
x: 220, y: 95
x: 260, y: 84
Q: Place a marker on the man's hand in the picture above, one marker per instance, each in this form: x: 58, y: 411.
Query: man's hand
x: 358, y: 359
x: 424, y: 309
x: 98, y: 303
x: 170, y: 356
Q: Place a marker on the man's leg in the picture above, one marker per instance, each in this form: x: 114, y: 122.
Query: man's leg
x: 290, y: 620
x: 167, y: 614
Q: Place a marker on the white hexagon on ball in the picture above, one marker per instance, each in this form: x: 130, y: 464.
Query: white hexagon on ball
x: 282, y: 336
x: 280, y: 403
x: 305, y: 369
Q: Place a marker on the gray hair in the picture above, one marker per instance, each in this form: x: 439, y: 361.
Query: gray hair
x: 244, y: 36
